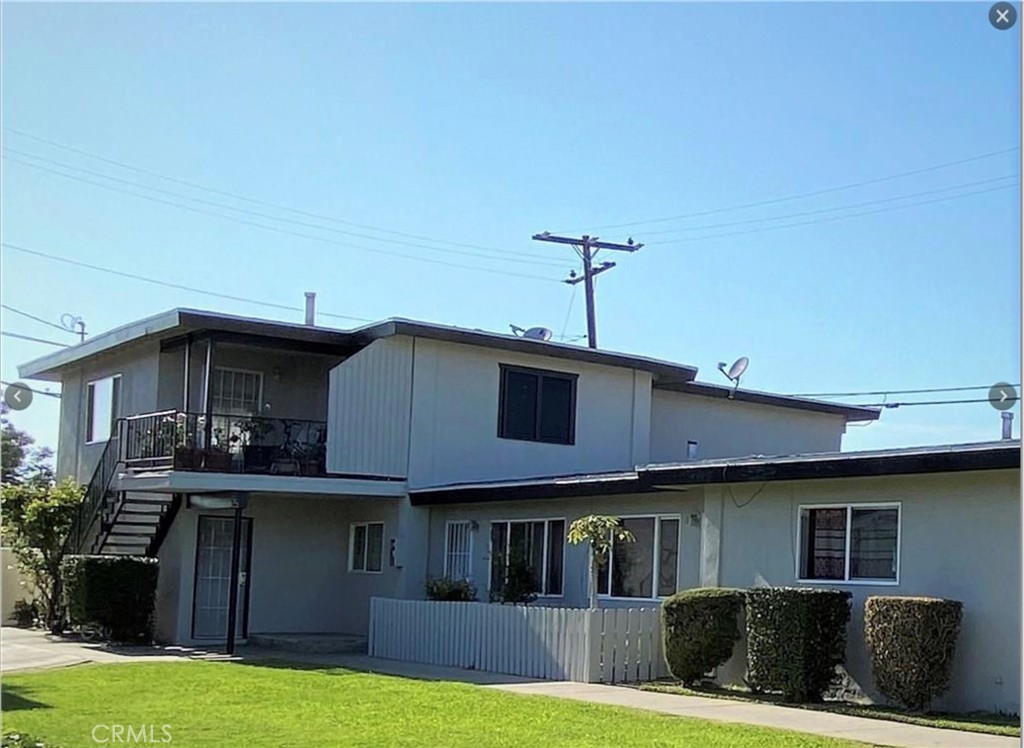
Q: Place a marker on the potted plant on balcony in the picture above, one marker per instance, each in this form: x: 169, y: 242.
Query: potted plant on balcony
x: 218, y: 458
x: 256, y: 456
x: 186, y: 455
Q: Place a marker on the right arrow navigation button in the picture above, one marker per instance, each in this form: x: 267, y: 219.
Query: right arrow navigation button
x: 1002, y: 396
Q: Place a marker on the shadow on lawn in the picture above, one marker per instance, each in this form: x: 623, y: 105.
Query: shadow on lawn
x: 15, y: 698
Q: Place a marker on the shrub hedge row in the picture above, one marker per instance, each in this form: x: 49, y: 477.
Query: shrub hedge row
x: 796, y: 638
x: 116, y: 593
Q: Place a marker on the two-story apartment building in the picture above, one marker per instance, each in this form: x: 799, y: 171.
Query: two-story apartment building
x: 364, y: 462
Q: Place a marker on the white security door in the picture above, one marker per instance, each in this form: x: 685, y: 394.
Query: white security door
x: 213, y: 578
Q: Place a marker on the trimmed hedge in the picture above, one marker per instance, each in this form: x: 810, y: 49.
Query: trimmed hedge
x: 446, y: 589
x: 116, y: 593
x: 795, y: 639
x: 700, y: 628
x: 912, y: 641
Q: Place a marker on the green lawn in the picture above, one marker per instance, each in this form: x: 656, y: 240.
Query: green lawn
x: 984, y: 722
x: 221, y: 705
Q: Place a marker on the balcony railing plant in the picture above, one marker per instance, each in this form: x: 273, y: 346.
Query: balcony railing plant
x: 225, y: 443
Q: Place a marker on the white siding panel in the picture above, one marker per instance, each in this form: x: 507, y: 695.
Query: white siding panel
x: 368, y: 410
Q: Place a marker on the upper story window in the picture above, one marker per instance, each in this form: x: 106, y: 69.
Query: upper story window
x: 236, y: 392
x: 849, y: 543
x: 102, y: 408
x: 536, y: 405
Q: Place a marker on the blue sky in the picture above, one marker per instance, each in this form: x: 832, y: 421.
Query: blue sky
x: 483, y: 124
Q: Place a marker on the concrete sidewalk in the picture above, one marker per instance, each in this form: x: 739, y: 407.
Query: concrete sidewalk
x: 872, y: 731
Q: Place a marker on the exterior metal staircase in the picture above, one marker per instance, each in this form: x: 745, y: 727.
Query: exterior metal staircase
x: 115, y: 522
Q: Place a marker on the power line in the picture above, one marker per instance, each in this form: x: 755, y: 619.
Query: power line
x: 834, y: 218
x: 813, y: 193
x: 168, y: 284
x: 897, y: 392
x: 932, y: 402
x: 285, y: 231
x: 34, y: 392
x: 828, y: 210
x: 138, y: 185
x: 37, y: 319
x: 29, y: 337
x: 237, y: 196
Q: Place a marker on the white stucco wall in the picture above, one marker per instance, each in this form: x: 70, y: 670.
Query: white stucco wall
x: 733, y: 428
x: 960, y: 539
x: 454, y: 430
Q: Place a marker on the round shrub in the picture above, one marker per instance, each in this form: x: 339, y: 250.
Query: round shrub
x: 795, y: 640
x: 912, y: 641
x: 700, y: 629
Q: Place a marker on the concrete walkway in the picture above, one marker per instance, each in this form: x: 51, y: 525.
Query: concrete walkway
x: 29, y: 650
x: 872, y: 731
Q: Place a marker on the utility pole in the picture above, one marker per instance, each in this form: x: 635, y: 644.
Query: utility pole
x: 587, y: 247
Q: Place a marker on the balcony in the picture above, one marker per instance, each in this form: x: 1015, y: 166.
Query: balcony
x: 178, y: 440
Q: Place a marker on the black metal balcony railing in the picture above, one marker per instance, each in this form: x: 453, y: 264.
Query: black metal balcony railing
x: 225, y: 444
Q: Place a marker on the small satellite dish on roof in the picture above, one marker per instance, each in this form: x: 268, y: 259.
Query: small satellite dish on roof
x: 734, y: 372
x: 533, y: 333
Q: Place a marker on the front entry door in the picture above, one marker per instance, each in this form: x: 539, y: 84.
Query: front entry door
x: 213, y: 578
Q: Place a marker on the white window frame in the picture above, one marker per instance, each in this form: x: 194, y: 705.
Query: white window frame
x: 508, y: 541
x: 849, y: 507
x: 654, y: 551
x: 366, y: 551
x: 115, y: 406
x: 468, y: 552
x: 259, y: 391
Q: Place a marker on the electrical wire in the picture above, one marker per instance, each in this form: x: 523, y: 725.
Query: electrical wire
x: 813, y: 193
x: 34, y: 391
x: 37, y: 319
x: 568, y: 312
x: 933, y: 402
x: 897, y: 392
x: 849, y: 206
x: 29, y: 337
x: 834, y: 218
x: 168, y: 284
x: 252, y: 200
x: 284, y: 231
x: 504, y: 256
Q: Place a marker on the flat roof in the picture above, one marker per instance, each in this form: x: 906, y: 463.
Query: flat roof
x: 657, y: 477
x: 176, y: 323
x: 180, y: 321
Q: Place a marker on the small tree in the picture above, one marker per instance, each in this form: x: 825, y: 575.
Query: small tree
x: 599, y: 531
x: 37, y: 517
x: 20, y: 460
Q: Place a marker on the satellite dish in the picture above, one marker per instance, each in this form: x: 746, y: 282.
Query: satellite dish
x: 538, y: 333
x: 734, y: 372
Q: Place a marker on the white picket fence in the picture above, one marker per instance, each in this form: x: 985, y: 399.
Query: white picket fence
x: 614, y: 645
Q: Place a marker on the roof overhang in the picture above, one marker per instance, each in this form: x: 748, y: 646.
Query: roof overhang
x: 563, y: 487
x: 702, y: 389
x: 910, y: 461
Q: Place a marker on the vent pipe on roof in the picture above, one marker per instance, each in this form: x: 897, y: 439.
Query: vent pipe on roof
x: 1007, y: 425
x: 310, y: 308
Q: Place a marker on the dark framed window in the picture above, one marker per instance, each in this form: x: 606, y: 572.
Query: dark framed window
x: 539, y: 544
x: 537, y: 405
x: 849, y: 543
